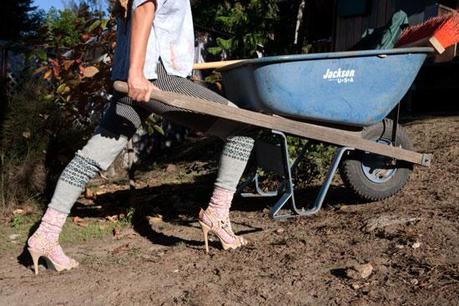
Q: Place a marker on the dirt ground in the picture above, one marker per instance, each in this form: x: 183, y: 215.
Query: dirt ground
x: 160, y: 260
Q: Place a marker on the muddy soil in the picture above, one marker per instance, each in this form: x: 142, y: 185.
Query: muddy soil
x: 306, y: 261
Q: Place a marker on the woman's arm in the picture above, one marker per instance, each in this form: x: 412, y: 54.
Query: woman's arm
x: 140, y: 88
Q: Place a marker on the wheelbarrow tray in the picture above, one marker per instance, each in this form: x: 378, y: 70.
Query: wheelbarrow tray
x: 336, y: 136
x: 346, y: 88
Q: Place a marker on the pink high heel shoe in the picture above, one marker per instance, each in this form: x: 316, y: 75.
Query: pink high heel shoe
x: 220, y: 228
x: 45, y: 243
x: 39, y: 246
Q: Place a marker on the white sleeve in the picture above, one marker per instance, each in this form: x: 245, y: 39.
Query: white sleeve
x: 137, y: 3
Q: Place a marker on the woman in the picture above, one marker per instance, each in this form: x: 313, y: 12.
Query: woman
x: 154, y: 52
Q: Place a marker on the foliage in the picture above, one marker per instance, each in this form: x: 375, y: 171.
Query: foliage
x: 24, y: 136
x: 61, y: 28
x: 310, y: 168
x: 246, y: 23
x: 314, y: 164
x: 75, y: 59
x: 62, y: 93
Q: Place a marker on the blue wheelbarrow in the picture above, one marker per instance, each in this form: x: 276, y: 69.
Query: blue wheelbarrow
x: 343, y: 99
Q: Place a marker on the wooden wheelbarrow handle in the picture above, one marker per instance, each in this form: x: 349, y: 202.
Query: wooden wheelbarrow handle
x: 214, y: 65
x: 301, y: 129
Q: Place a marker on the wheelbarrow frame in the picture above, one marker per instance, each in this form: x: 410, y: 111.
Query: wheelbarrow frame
x: 346, y: 138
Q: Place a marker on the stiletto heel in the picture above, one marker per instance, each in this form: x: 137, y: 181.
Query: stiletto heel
x: 220, y: 228
x: 205, y: 231
x: 35, y: 257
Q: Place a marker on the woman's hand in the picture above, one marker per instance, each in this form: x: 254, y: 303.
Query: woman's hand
x: 140, y: 89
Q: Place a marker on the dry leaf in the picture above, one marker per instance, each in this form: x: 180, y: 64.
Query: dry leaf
x: 89, y: 72
x: 155, y: 219
x: 40, y: 70
x: 68, y: 63
x: 171, y: 168
x: 88, y: 193
x: 121, y: 248
x: 47, y: 75
x: 113, y: 218
x: 18, y: 212
x: 80, y: 222
x: 125, y: 233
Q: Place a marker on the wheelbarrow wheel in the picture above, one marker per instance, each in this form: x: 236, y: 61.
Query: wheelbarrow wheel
x: 374, y: 177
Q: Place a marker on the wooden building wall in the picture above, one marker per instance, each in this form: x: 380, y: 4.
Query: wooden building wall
x: 349, y: 30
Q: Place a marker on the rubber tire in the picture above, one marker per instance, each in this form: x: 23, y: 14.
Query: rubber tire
x: 351, y: 167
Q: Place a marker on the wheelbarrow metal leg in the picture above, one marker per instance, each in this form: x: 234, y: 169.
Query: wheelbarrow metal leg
x: 289, y: 188
x: 325, y: 186
x: 396, y: 118
x: 259, y: 192
x: 287, y: 185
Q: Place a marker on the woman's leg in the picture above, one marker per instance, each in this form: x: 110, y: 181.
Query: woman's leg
x: 233, y: 160
x: 118, y: 125
x: 215, y: 218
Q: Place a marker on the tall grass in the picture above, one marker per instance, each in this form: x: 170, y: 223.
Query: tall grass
x: 36, y: 141
x: 22, y: 146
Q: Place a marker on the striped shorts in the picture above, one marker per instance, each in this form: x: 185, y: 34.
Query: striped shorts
x: 124, y: 116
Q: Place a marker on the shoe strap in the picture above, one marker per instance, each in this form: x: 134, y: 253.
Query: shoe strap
x: 216, y: 223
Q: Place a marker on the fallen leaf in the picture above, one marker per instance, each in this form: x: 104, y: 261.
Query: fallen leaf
x: 121, y: 248
x: 156, y: 219
x: 18, y: 212
x: 113, y: 218
x: 126, y: 233
x: 171, y: 168
x: 416, y: 245
x: 80, y: 222
x: 88, y: 193
x: 13, y: 237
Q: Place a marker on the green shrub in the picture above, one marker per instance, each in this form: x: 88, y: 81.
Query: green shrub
x: 314, y: 165
x: 311, y: 168
x: 36, y: 140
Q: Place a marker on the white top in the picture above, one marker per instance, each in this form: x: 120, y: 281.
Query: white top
x: 171, y: 39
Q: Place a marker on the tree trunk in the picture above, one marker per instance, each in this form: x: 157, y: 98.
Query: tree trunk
x: 299, y: 19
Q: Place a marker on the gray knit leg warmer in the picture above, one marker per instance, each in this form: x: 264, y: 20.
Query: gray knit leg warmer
x: 233, y: 161
x: 118, y: 125
x: 97, y: 155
